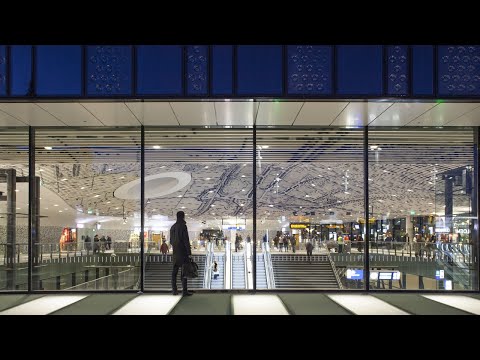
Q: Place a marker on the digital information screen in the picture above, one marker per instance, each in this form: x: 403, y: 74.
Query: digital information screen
x: 385, y: 275
x: 355, y: 274
x: 440, y: 274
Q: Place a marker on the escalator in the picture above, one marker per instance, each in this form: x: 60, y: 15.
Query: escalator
x: 238, y: 271
x: 158, y: 273
x: 219, y: 283
x: 261, y: 273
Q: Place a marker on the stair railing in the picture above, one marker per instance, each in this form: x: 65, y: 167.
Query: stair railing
x: 334, y: 268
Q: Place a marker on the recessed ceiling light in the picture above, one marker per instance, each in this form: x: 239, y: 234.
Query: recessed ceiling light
x: 108, y: 202
x: 179, y: 195
x: 208, y: 178
x: 301, y: 207
x: 183, y: 207
x: 243, y: 176
x: 265, y: 146
x: 313, y: 184
x: 346, y: 192
x: 211, y: 191
x: 117, y: 208
x: 156, y: 146
x: 394, y: 195
x: 83, y: 187
x: 278, y: 179
x: 307, y: 195
x: 329, y: 169
x: 64, y: 179
x: 409, y: 190
x: 206, y: 167
x: 122, y: 177
x: 109, y: 169
x: 270, y: 205
x: 55, y: 205
x: 161, y: 167
x: 96, y: 196
x: 244, y: 164
x: 339, y: 201
x: 212, y: 205
x: 430, y: 203
x: 370, y: 179
x: 373, y: 147
x: 242, y: 204
x: 243, y: 189
x: 40, y: 170
x: 213, y: 213
x: 329, y: 209
x: 47, y: 147
x: 16, y: 190
x: 320, y: 175
x: 60, y: 211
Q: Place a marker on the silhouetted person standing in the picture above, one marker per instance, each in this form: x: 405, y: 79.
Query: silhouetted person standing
x: 309, y: 248
x: 181, y: 251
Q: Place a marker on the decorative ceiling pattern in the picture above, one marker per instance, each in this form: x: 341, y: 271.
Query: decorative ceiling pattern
x: 298, y: 171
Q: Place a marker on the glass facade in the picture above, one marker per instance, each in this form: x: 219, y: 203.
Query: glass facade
x: 267, y: 206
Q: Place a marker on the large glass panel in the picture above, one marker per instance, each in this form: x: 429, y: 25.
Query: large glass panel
x: 87, y: 231
x: 421, y: 208
x: 310, y: 207
x: 13, y: 209
x: 206, y: 173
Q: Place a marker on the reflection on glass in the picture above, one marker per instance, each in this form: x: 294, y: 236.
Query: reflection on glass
x: 310, y: 208
x: 87, y: 231
x: 421, y: 196
x: 207, y: 173
x: 13, y: 209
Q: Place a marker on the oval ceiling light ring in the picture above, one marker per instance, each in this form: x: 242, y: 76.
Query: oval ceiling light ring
x: 156, y: 186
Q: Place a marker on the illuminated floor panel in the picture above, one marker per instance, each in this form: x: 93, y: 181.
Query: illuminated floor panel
x: 366, y: 305
x: 149, y: 305
x: 258, y: 305
x: 43, y: 306
x: 458, y: 301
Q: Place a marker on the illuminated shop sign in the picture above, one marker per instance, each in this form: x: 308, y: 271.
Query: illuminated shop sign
x: 385, y: 275
x: 299, y: 225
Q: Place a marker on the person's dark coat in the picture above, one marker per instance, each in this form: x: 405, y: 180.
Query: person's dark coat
x: 180, y: 242
x: 309, y: 246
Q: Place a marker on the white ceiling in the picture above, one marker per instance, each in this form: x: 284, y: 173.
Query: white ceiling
x: 239, y: 113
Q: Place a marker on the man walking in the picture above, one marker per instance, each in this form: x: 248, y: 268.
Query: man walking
x: 181, y: 252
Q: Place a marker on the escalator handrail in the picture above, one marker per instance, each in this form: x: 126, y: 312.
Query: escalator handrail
x: 334, y: 268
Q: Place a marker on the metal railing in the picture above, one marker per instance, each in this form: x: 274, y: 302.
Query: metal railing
x: 267, y: 258
x: 332, y: 264
x: 228, y: 265
x: 122, y: 280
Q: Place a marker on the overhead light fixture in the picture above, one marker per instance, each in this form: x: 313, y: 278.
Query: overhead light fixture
x: 313, y: 184
x: 242, y: 204
x: 117, y: 208
x: 212, y: 205
x: 208, y: 178
x: 109, y: 169
x: 179, y: 195
x: 108, y: 202
x: 55, y: 205
x: 183, y: 207
x: 83, y: 187
x: 373, y: 147
x: 270, y: 205
x: 40, y: 170
x: 60, y: 211
x: 96, y: 196
x: 307, y: 195
x: 16, y: 190
x: 156, y: 146
x: 409, y: 190
x: 243, y: 189
x: 346, y: 192
x: 122, y: 177
x: 64, y: 179
x: 47, y: 147
x: 206, y: 167
x: 211, y: 191
x: 265, y: 146
x: 243, y: 176
x: 244, y: 164
x: 161, y: 167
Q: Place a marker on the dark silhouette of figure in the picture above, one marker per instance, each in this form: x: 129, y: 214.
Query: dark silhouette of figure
x: 181, y: 251
x: 309, y: 248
